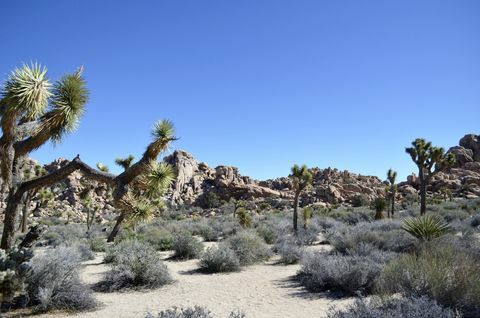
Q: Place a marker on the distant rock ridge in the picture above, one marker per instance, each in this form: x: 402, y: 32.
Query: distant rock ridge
x: 196, y: 179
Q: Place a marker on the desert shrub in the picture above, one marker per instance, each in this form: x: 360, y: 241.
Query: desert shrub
x: 211, y: 200
x: 134, y: 264
x: 309, y: 235
x: 289, y: 250
x: 360, y: 200
x: 219, y: 259
x: 55, y: 283
x: 97, y: 244
x: 64, y: 234
x: 352, y: 216
x: 398, y: 307
x: 350, y: 274
x: 384, y: 234
x: 248, y: 247
x: 160, y: 238
x: 449, y: 276
x: 186, y: 246
x: 84, y: 250
x: 475, y: 220
x: 210, y: 230
x: 266, y: 232
x: 326, y: 223
x: 193, y: 312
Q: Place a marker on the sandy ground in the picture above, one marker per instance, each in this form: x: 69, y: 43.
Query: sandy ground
x: 260, y: 291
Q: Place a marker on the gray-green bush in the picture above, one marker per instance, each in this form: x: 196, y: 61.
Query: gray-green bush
x: 186, y: 246
x: 397, y: 307
x: 441, y: 272
x: 134, y: 265
x: 55, y: 283
x: 248, y: 247
x: 219, y: 259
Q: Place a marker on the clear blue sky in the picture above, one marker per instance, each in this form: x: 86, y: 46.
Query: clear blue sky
x: 260, y: 84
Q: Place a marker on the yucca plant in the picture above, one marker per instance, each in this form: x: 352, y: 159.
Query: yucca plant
x: 306, y: 215
x: 429, y: 160
x: 33, y: 112
x: 301, y: 178
x: 379, y: 205
x: 426, y: 227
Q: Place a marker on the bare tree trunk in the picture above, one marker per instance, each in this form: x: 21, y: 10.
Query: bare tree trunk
x: 295, y: 212
x: 393, y: 205
x: 116, y: 228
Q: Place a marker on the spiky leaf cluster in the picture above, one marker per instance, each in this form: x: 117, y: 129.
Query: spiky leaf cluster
x: 427, y: 157
x: 26, y: 92
x: 125, y: 163
x: 426, y: 227
x: 301, y: 177
x: 69, y: 97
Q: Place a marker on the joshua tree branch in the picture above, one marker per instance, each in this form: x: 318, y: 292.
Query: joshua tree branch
x: 57, y: 175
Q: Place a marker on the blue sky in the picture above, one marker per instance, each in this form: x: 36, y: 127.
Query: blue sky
x: 259, y: 85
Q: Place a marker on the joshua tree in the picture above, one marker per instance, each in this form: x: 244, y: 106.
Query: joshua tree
x: 33, y: 112
x: 237, y: 204
x: 125, y: 163
x: 429, y: 161
x: 301, y: 179
x: 392, y: 190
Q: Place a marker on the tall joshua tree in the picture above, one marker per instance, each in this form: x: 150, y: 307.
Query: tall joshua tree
x: 392, y: 190
x: 429, y: 160
x: 301, y: 178
x: 33, y: 111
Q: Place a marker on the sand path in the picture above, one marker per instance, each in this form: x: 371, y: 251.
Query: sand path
x: 260, y: 291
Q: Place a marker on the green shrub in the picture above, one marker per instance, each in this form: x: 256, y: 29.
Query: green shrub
x: 248, y: 247
x: 160, y: 238
x: 219, y: 259
x: 360, y: 200
x: 267, y: 232
x: 186, y: 246
x: 98, y: 244
x: 440, y: 272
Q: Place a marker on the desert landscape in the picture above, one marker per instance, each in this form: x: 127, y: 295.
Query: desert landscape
x: 108, y: 210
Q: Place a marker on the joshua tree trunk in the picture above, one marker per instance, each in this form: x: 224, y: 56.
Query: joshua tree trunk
x: 423, y: 192
x: 18, y: 190
x: 26, y: 205
x: 393, y: 205
x: 295, y: 212
x: 116, y: 228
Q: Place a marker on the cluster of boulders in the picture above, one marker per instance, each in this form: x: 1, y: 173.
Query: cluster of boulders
x: 195, y: 180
